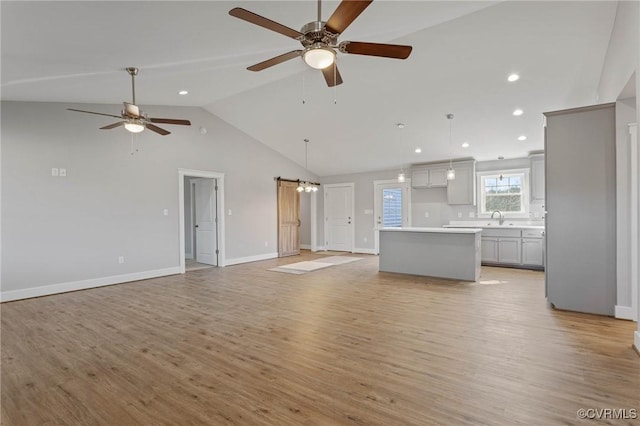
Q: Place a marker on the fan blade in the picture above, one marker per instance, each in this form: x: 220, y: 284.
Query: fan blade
x: 157, y: 129
x: 331, y: 78
x: 96, y: 113
x: 396, y: 51
x: 131, y: 110
x: 112, y: 126
x: 170, y: 121
x: 275, y: 60
x: 261, y: 21
x: 345, y: 14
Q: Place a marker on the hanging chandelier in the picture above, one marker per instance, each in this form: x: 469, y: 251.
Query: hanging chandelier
x: 306, y: 186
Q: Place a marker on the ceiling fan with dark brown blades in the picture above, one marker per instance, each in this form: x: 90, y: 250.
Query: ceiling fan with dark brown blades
x: 133, y: 119
x: 320, y: 40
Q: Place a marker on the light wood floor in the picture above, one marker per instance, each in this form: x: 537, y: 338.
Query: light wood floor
x: 342, y: 345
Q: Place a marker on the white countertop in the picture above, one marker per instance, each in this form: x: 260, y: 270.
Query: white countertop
x: 452, y: 230
x: 496, y: 226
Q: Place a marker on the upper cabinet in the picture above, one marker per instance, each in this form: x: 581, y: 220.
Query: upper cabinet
x: 429, y: 176
x: 462, y: 189
x: 537, y: 177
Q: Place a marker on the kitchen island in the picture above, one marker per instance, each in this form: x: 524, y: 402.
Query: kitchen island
x: 435, y: 252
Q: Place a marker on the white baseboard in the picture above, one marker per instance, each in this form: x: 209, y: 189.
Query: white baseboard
x: 45, y: 290
x: 636, y: 340
x: 317, y: 248
x: 188, y: 255
x: 305, y: 246
x: 365, y: 251
x: 624, y: 312
x: 248, y: 259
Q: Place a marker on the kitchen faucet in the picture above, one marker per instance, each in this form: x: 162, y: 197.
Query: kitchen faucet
x: 501, y: 219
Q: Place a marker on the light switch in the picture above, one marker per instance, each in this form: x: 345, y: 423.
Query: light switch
x: 54, y: 171
x: 229, y: 212
x: 63, y: 172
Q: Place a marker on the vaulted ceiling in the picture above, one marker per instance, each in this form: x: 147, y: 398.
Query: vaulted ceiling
x: 462, y: 55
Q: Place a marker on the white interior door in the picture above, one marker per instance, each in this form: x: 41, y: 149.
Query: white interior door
x: 205, y: 221
x: 391, y: 206
x: 338, y: 212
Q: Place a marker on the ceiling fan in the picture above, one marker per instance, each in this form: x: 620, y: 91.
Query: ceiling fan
x: 133, y: 119
x: 320, y: 40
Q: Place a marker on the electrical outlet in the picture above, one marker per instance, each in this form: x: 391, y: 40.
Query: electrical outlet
x: 365, y: 239
x: 63, y: 172
x: 459, y: 215
x: 165, y: 212
x: 426, y: 214
x: 55, y: 171
x: 121, y: 259
x: 472, y: 214
x: 229, y: 212
x: 266, y: 243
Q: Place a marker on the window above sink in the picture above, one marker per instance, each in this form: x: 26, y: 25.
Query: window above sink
x: 505, y: 191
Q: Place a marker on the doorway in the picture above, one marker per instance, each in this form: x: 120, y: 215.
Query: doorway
x: 201, y: 219
x: 339, y: 213
x: 391, y: 205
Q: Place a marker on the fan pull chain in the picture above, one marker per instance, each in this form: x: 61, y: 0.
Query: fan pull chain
x: 133, y: 140
x: 335, y: 81
x: 303, y: 100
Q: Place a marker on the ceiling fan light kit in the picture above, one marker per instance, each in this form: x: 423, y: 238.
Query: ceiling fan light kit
x: 319, y: 56
x: 319, y: 40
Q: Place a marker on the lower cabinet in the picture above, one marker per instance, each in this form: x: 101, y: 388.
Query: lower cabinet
x: 532, y: 251
x: 509, y: 250
x: 501, y: 250
x: 513, y: 247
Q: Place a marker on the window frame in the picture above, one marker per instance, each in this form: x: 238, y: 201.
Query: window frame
x: 525, y: 207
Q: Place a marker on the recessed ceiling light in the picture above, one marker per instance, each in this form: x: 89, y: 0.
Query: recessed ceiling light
x: 183, y: 92
x: 418, y: 150
x: 513, y: 77
x: 465, y: 144
x: 400, y: 125
x: 522, y: 138
x: 518, y: 112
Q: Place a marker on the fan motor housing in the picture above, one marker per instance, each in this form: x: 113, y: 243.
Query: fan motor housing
x: 315, y: 32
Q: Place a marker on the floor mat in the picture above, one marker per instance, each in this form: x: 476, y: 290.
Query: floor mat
x: 300, y: 268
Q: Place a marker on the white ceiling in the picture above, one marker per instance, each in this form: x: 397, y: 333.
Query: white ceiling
x: 462, y: 54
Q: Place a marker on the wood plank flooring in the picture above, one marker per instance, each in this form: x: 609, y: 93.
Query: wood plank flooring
x: 344, y: 345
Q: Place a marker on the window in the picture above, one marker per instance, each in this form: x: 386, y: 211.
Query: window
x: 506, y: 191
x: 392, y: 207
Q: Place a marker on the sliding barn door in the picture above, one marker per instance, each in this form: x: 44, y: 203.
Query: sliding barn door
x: 288, y: 219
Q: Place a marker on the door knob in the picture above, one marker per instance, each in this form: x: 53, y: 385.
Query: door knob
x: 196, y: 226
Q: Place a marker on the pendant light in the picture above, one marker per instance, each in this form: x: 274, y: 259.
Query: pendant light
x: 451, y: 173
x: 304, y: 186
x: 401, y: 177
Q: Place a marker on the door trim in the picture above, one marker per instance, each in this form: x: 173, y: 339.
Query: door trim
x: 376, y: 199
x: 219, y: 213
x: 353, y: 216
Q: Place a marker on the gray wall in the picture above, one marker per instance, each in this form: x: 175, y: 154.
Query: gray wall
x: 111, y: 203
x: 305, y: 219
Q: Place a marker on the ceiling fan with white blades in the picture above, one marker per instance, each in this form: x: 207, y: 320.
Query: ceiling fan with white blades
x: 320, y: 40
x: 133, y: 119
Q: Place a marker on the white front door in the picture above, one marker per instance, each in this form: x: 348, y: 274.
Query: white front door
x: 338, y: 212
x: 391, y: 206
x: 205, y: 221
